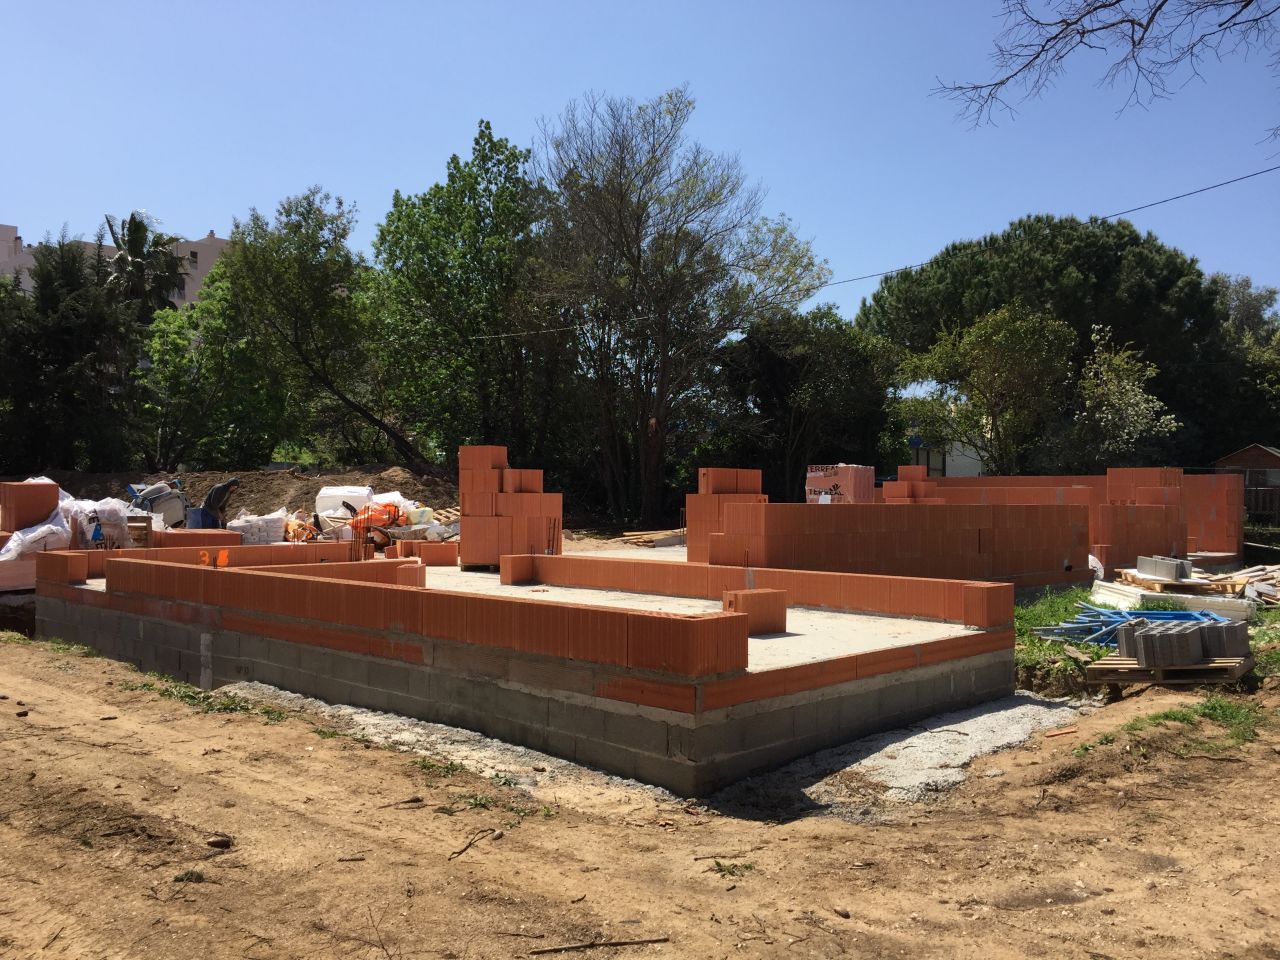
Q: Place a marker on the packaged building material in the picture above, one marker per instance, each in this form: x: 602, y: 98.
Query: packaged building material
x: 840, y: 483
x: 331, y: 499
x: 260, y: 530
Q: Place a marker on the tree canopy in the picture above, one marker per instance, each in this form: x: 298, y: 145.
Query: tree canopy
x: 1154, y: 46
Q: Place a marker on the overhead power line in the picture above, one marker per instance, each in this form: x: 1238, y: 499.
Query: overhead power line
x: 941, y: 256
x: 1109, y: 216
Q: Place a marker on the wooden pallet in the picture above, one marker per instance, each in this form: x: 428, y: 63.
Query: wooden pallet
x: 1117, y: 669
x: 448, y: 515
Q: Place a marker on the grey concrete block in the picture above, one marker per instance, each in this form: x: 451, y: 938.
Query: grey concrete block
x: 389, y: 675
x: 420, y: 683
x: 350, y: 667
x: 574, y: 718
x: 315, y: 660
x: 677, y: 776
x: 284, y: 653
x: 255, y: 648
x: 327, y: 688
x: 636, y: 733
x: 604, y: 756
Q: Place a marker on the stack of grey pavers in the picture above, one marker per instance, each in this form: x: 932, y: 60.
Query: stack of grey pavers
x: 1175, y: 643
x: 1164, y: 568
x: 1225, y: 641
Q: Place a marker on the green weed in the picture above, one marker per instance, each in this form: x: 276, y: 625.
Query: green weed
x: 1160, y: 603
x: 204, y: 701
x: 54, y: 645
x: 325, y: 733
x: 1240, y: 718
x: 436, y: 768
x: 732, y: 869
x: 477, y: 801
x: 503, y: 779
x: 1049, y: 611
x: 1082, y: 750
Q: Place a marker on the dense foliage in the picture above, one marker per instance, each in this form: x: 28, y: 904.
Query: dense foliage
x: 616, y: 307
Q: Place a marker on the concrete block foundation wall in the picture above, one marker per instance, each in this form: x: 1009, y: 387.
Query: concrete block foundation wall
x: 637, y: 693
x: 572, y: 712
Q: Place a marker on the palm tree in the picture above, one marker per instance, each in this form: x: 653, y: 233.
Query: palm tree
x: 145, y: 269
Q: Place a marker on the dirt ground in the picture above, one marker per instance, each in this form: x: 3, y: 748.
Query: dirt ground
x: 263, y: 491
x: 109, y: 794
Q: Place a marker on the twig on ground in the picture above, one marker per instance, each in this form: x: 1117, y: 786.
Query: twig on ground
x: 479, y: 835
x: 567, y: 947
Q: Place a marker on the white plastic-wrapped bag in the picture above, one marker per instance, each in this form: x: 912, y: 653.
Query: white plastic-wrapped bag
x: 330, y: 499
x: 258, y: 530
x: 52, y: 534
x: 98, y: 523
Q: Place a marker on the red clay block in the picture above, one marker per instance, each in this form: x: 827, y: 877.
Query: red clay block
x: 491, y: 621
x: 890, y: 660
x: 517, y: 569
x: 479, y: 504
x: 437, y: 554
x: 482, y: 457
x: 596, y: 634
x: 650, y: 693
x: 766, y: 609
x: 443, y: 614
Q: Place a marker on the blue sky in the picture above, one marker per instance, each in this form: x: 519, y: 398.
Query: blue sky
x: 197, y: 112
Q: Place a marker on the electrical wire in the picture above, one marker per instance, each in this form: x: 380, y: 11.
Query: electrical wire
x: 941, y: 256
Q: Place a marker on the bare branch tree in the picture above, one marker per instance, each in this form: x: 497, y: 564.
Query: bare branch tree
x: 1155, y: 46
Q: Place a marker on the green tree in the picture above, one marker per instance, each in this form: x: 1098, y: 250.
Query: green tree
x: 474, y: 354
x: 1118, y: 421
x: 68, y: 384
x: 806, y: 388
x: 214, y: 397
x: 1000, y: 386
x: 145, y: 270
x: 1250, y: 310
x: 657, y: 254
x: 299, y: 289
x: 1086, y: 274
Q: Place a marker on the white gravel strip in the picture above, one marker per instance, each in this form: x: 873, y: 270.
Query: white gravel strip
x: 908, y: 765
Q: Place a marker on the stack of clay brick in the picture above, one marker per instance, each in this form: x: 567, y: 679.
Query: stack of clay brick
x: 24, y: 505
x: 504, y: 511
x: 1025, y: 545
x: 1132, y: 510
x: 433, y: 553
x: 840, y: 483
x: 704, y: 511
x: 1176, y: 643
x: 1213, y: 508
x: 912, y: 486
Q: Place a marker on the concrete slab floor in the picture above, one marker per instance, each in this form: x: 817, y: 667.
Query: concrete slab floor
x: 812, y: 634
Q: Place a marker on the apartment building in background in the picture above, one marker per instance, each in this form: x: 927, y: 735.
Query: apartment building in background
x: 17, y: 258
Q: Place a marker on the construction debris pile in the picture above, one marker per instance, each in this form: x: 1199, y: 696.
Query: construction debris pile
x: 1102, y: 627
x: 1260, y: 584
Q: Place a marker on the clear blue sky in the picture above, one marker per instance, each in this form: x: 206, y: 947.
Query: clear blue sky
x: 197, y: 112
